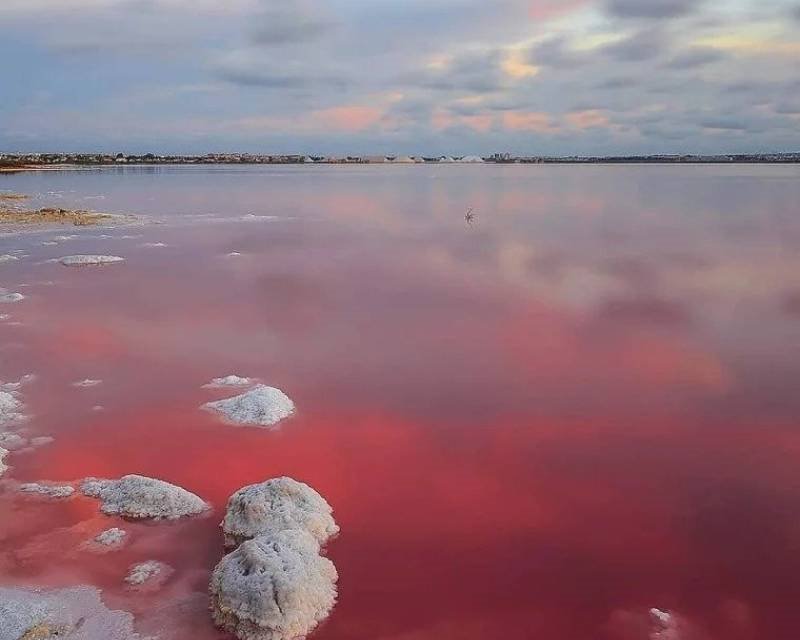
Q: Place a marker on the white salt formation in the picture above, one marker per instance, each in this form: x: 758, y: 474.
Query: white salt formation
x: 7, y: 257
x: 12, y: 441
x: 3, y: 454
x: 83, y: 260
x: 151, y: 574
x: 134, y: 496
x: 10, y: 297
x: 88, y: 382
x: 75, y: 613
x: 10, y: 408
x: 666, y: 626
x: 260, y: 406
x: 48, y: 490
x: 273, y: 587
x: 229, y: 381
x: 112, y: 538
x: 277, y: 505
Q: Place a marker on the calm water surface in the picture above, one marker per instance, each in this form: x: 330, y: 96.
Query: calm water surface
x: 583, y: 405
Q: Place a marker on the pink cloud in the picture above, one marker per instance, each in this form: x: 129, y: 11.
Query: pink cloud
x: 529, y: 121
x: 588, y: 119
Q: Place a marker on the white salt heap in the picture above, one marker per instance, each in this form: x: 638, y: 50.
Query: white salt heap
x: 113, y: 537
x: 134, y: 496
x: 3, y: 454
x: 10, y: 408
x: 260, y: 406
x: 76, y: 613
x: 48, y: 490
x: 277, y: 505
x: 83, y: 260
x: 10, y: 297
x: 151, y: 573
x: 229, y: 381
x: 273, y: 587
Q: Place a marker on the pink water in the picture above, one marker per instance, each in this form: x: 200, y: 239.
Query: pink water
x: 583, y: 405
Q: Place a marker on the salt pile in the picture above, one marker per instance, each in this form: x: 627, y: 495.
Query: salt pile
x: 76, y: 613
x: 277, y: 505
x: 273, y: 587
x: 276, y: 585
x: 83, y: 260
x: 10, y: 297
x: 229, y: 381
x: 150, y: 574
x: 260, y: 406
x: 134, y: 496
x: 48, y: 490
x: 113, y: 537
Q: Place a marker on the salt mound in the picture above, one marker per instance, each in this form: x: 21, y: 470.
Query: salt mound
x: 261, y: 406
x: 82, y: 260
x: 113, y: 537
x: 75, y: 613
x: 150, y: 574
x: 10, y: 408
x: 229, y: 381
x: 273, y: 588
x: 3, y: 454
x: 11, y: 297
x: 134, y: 496
x: 277, y: 505
x: 12, y: 441
x: 48, y: 490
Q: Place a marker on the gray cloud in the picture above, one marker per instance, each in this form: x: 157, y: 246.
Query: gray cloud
x: 644, y: 45
x: 651, y: 9
x: 280, y: 25
x: 475, y: 72
x: 695, y: 57
x: 557, y: 54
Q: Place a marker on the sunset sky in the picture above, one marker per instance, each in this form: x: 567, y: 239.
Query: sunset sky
x: 392, y: 76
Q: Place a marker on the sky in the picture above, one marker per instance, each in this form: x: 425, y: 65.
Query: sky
x: 549, y: 77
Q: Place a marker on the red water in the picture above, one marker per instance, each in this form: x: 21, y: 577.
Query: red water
x: 581, y: 406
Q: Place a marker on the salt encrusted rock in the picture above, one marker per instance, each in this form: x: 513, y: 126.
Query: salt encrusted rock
x: 229, y: 381
x: 111, y: 538
x: 88, y: 382
x: 84, y: 260
x: 277, y: 505
x: 76, y: 613
x: 47, y: 490
x: 273, y: 587
x: 3, y: 454
x: 10, y: 408
x: 150, y: 574
x: 11, y: 297
x: 260, y: 406
x: 12, y: 441
x: 134, y: 496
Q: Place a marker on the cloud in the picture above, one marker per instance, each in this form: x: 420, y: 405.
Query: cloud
x: 474, y: 71
x: 557, y: 53
x: 695, y: 57
x: 643, y: 45
x: 651, y: 9
x: 290, y: 24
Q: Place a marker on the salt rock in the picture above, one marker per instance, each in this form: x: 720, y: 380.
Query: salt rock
x: 3, y: 454
x: 86, y: 260
x: 112, y: 538
x: 260, y: 406
x: 135, y: 496
x: 273, y: 587
x: 150, y: 574
x: 229, y: 381
x: 48, y: 490
x: 277, y: 505
x: 76, y: 613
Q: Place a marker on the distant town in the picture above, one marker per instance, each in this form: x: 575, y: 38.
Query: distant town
x: 23, y: 160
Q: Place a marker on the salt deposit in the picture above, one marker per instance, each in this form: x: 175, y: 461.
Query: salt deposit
x: 273, y: 588
x: 153, y: 245
x: 10, y: 408
x: 76, y: 613
x: 88, y: 382
x: 277, y: 505
x: 135, y: 496
x: 12, y: 441
x: 150, y: 574
x: 229, y: 381
x: 3, y: 466
x: 83, y: 260
x: 7, y: 257
x: 260, y: 406
x: 11, y: 297
x: 48, y: 490
x: 111, y: 538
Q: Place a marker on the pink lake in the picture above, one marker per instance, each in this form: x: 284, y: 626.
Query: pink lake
x: 583, y: 405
